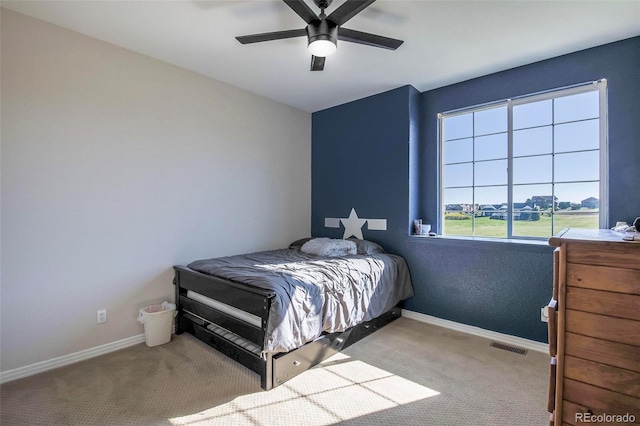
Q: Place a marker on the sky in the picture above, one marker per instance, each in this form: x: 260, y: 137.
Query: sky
x: 568, y: 126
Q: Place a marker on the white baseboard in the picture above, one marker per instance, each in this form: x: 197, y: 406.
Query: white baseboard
x: 469, y: 329
x: 39, y: 367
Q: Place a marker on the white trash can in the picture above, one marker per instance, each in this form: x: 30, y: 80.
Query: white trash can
x: 158, y: 321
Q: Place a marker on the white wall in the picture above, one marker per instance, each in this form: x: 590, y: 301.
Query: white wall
x: 115, y: 167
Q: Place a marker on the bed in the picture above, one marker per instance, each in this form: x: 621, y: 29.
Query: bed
x: 280, y: 312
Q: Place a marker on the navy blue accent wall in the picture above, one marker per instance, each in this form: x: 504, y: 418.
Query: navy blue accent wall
x: 379, y: 155
x: 360, y: 159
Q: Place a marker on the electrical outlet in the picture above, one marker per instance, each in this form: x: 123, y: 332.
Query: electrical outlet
x: 102, y: 316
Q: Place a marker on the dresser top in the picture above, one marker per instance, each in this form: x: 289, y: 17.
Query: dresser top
x: 591, y: 236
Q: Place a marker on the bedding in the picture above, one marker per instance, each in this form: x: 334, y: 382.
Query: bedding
x: 316, y: 293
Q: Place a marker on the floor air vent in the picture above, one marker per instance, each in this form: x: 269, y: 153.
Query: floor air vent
x: 509, y: 348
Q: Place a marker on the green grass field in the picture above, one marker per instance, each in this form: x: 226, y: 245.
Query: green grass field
x: 487, y: 227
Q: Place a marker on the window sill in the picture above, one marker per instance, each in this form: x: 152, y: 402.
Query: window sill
x: 540, y: 246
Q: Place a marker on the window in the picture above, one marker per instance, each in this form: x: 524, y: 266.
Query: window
x: 526, y: 167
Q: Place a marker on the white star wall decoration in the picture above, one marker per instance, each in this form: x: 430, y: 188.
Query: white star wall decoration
x: 353, y: 224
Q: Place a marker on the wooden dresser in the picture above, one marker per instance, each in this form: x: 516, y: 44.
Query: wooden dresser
x: 594, y: 329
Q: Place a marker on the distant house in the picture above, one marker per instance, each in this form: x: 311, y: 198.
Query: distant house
x: 465, y: 208
x: 469, y: 208
x: 487, y: 210
x: 590, y: 203
x: 527, y: 213
x: 502, y: 213
x: 524, y: 213
x: 544, y: 201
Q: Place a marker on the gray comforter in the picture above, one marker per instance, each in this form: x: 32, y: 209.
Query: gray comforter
x: 316, y: 294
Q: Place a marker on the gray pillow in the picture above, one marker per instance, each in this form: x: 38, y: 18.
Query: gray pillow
x: 330, y: 247
x: 298, y: 243
x: 366, y: 246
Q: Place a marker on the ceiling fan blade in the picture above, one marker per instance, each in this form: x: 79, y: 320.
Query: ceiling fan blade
x: 317, y: 63
x: 302, y: 9
x: 348, y: 10
x: 368, y: 39
x: 277, y: 35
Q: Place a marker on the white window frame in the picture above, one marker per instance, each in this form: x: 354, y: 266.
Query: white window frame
x: 599, y: 85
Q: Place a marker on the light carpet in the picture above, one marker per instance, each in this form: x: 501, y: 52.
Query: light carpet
x: 408, y: 373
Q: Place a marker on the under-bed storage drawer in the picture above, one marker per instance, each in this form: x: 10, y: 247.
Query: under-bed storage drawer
x: 243, y: 356
x: 290, y: 364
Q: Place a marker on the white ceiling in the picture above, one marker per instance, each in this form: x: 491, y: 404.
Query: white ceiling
x: 445, y: 41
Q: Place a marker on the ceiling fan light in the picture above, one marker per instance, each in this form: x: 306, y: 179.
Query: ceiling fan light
x: 322, y: 48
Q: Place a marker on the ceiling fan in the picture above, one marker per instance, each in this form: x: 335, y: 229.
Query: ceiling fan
x: 323, y: 32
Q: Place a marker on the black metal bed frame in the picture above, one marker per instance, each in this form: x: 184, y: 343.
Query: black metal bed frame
x: 274, y: 369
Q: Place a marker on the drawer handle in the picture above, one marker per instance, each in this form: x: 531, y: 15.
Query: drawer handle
x: 296, y: 363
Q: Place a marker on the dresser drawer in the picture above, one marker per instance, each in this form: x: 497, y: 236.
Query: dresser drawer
x: 596, y: 400
x: 603, y: 351
x: 608, y: 303
x: 602, y: 375
x: 603, y: 327
x: 619, y: 280
x: 621, y: 255
x: 573, y: 414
